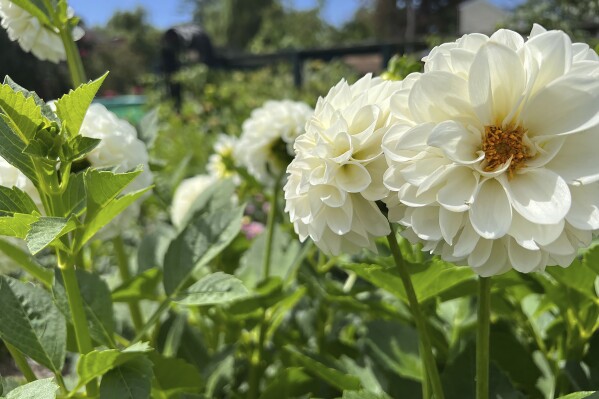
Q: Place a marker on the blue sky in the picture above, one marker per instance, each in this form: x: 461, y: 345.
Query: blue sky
x: 165, y: 13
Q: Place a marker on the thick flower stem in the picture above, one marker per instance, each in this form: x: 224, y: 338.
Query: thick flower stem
x: 74, y: 62
x: 482, y: 338
x: 21, y: 362
x: 123, y: 263
x: 256, y: 362
x: 428, y: 358
x: 84, y: 341
x: 270, y: 229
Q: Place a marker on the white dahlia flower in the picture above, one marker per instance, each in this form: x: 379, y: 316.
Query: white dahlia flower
x: 42, y: 41
x: 337, y: 173
x: 221, y: 164
x: 186, y: 194
x: 120, y: 150
x: 10, y: 177
x: 493, y: 151
x: 265, y: 146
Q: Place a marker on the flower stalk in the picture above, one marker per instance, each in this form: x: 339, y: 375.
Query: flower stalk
x: 430, y: 366
x: 123, y: 264
x: 76, y: 70
x: 482, y: 338
x: 270, y: 229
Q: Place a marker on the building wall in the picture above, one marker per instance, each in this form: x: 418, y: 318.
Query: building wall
x: 480, y: 16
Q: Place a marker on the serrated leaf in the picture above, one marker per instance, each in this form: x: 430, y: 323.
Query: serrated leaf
x: 577, y: 277
x: 21, y: 113
x: 46, y: 231
x: 72, y: 107
x: 31, y: 322
x: 46, y: 110
x: 27, y: 262
x: 133, y: 380
x: 97, y: 303
x: 14, y: 200
x: 80, y: 146
x: 289, y: 383
x: 430, y: 280
x: 96, y: 363
x: 17, y: 225
x: 333, y: 377
x: 175, y: 376
x: 213, y: 289
x: 40, y: 389
x: 107, y: 213
x: 142, y: 286
x: 103, y: 186
x: 211, y: 228
x: 11, y: 149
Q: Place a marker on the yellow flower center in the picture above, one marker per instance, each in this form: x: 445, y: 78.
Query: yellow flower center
x: 501, y: 144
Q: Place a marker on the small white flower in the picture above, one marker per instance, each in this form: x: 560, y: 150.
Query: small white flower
x: 493, y: 151
x: 186, y: 194
x: 337, y: 173
x: 221, y: 162
x: 265, y: 146
x: 41, y: 41
x: 121, y: 151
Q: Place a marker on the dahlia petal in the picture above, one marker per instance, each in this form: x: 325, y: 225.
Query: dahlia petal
x: 481, y: 253
x: 552, y: 52
x: 508, y: 38
x: 466, y: 241
x: 576, y: 161
x: 540, y: 196
x: 408, y: 195
x: 492, y: 98
x: 458, y: 143
x: 339, y: 219
x: 497, y: 262
x: 584, y: 212
x: 522, y: 259
x: 425, y: 223
x: 561, y: 246
x: 352, y: 177
x: 458, y: 194
x: 450, y: 223
x: 491, y: 213
x: 565, y: 106
x: 530, y: 235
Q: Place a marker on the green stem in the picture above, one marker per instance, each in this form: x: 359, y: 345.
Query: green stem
x: 84, y: 341
x: 152, y: 320
x: 123, y: 263
x: 73, y: 58
x: 21, y: 362
x: 482, y: 338
x: 270, y: 229
x: 428, y: 358
x: 256, y: 362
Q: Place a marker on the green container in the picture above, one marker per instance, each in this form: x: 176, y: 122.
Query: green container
x: 129, y: 107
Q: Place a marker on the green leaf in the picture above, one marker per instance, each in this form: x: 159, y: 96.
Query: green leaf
x: 21, y: 113
x: 142, y: 286
x: 107, y: 213
x: 430, y: 280
x: 72, y: 107
x: 282, y: 308
x: 46, y: 231
x: 213, y: 289
x: 17, y: 225
x: 175, y: 376
x: 30, y: 321
x: 103, y: 186
x: 577, y: 277
x: 45, y: 108
x: 581, y: 395
x: 14, y: 200
x: 97, y: 363
x: 27, y: 262
x: 97, y: 303
x: 364, y: 395
x: 153, y: 247
x: 11, y: 149
x: 40, y: 389
x: 212, y: 227
x: 331, y: 376
x: 284, y: 252
x: 289, y: 383
x: 74, y: 197
x: 395, y: 346
x: 79, y: 146
x: 132, y: 380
